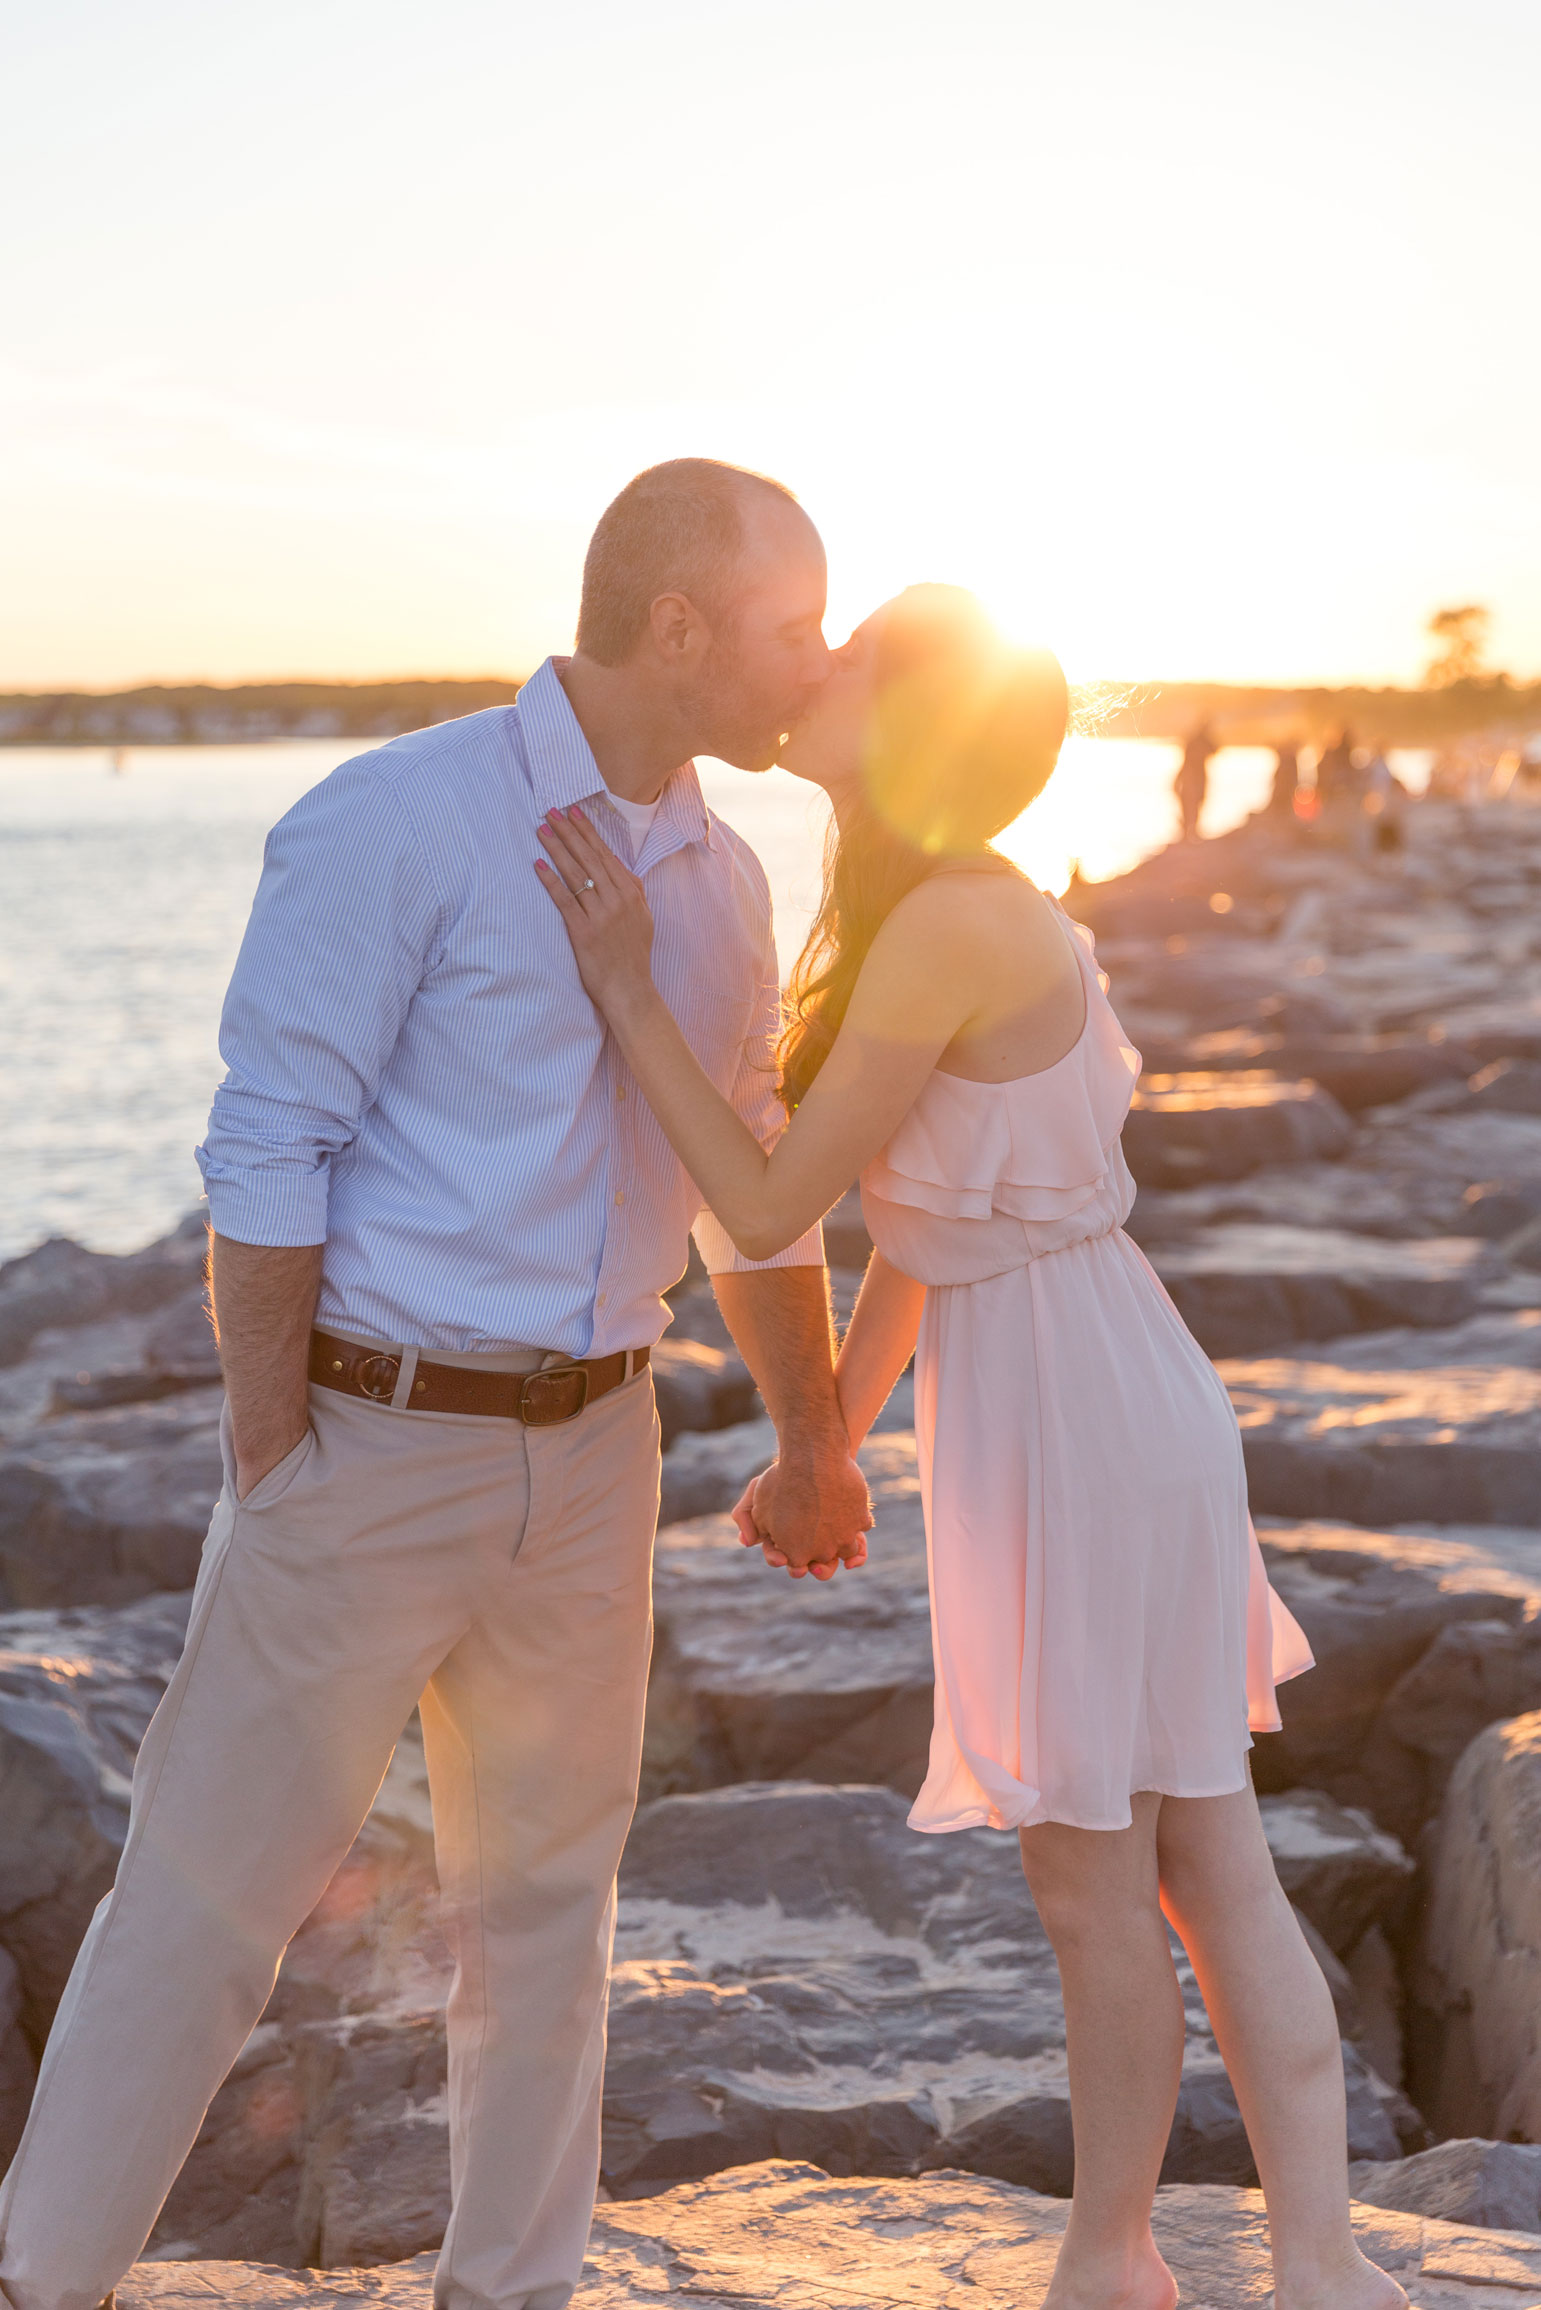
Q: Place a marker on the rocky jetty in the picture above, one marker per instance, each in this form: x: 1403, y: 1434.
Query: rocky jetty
x: 785, y: 2233
x: 1338, y: 1148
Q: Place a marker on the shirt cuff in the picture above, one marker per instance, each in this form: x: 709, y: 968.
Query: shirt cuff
x: 283, y: 1207
x: 723, y: 1257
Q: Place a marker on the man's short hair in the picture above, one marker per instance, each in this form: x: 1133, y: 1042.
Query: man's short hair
x: 677, y: 528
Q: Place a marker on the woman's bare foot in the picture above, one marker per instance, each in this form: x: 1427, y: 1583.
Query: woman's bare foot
x: 1113, y: 2282
x: 1361, y: 2287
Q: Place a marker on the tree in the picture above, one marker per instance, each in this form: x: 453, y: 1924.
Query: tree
x: 1460, y: 641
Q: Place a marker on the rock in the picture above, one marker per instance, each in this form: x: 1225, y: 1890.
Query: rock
x: 178, y: 1351
x: 1335, y: 1865
x: 798, y: 1972
x: 1475, y: 2045
x: 1398, y: 1428
x: 1523, y: 1248
x: 1185, y: 1129
x: 1404, y: 1175
x: 755, y: 1678
x: 1244, y: 1289
x: 18, y: 2064
x: 785, y: 2233
x: 1372, y: 1722
x: 62, y: 1283
x: 698, y: 1386
x: 1489, y: 2185
x: 102, y: 1507
x: 703, y: 1474
x: 1359, y: 1071
x: 1508, y: 1087
x: 1377, y: 2013
x: 77, y: 1689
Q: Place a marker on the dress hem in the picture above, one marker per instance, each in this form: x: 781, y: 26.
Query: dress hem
x: 1036, y: 1818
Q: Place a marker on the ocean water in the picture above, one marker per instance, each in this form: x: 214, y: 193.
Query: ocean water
x: 123, y: 895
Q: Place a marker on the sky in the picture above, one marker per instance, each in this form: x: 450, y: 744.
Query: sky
x: 1202, y: 338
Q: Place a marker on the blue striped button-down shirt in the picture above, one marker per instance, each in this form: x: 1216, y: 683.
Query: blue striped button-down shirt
x: 417, y: 1078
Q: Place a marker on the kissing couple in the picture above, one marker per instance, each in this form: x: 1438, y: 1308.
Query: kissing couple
x: 505, y: 1025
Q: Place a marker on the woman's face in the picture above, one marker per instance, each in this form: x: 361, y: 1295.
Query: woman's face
x: 828, y: 745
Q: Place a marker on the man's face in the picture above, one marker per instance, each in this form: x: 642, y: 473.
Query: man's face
x: 761, y: 676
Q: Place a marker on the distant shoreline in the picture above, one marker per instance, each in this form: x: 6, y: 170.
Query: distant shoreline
x: 203, y: 714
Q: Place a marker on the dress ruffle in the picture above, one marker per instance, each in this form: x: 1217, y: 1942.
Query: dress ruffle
x: 1037, y: 1148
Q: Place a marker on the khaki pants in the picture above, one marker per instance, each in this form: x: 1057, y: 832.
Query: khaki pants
x: 500, y: 1572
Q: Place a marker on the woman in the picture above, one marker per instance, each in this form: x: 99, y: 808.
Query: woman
x: 1103, y: 1627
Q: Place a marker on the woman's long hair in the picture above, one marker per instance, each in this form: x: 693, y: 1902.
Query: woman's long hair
x: 964, y: 733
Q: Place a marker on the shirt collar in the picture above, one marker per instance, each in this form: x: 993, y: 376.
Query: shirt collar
x: 563, y: 769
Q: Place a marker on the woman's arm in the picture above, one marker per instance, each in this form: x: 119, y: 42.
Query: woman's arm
x: 917, y: 988
x: 879, y: 1342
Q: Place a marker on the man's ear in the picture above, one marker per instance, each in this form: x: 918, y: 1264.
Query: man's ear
x: 678, y: 627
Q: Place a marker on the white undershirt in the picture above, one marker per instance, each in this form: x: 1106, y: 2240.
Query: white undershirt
x: 636, y: 817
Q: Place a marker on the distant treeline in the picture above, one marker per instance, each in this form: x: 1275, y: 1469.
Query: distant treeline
x: 1427, y: 717
x: 202, y: 715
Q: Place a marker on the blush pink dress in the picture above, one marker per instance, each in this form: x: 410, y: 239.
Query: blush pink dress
x: 1101, y: 1618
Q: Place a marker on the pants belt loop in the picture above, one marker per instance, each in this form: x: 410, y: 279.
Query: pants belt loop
x: 401, y: 1397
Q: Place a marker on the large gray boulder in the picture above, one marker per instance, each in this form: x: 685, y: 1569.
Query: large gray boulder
x: 1336, y: 1866
x: 1476, y: 2045
x: 1359, y: 1071
x: 756, y: 1677
x: 785, y: 2233
x: 1420, y: 1639
x: 699, y: 1386
x: 799, y: 1973
x: 102, y: 1507
x: 1398, y: 1427
x: 1242, y: 1289
x: 18, y: 2063
x: 1493, y: 2185
x: 1185, y: 1129
x: 61, y: 1283
x: 77, y: 1690
x: 1415, y: 1174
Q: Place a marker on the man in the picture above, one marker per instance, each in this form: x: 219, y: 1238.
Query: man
x: 442, y: 1222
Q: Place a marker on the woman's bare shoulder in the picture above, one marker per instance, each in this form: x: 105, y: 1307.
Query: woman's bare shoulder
x: 960, y: 907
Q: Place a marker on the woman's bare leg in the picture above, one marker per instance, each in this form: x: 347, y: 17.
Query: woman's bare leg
x: 1098, y: 1895
x: 1274, y: 2024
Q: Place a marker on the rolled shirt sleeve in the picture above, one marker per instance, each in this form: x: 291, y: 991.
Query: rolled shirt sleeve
x: 757, y: 1101
x: 342, y: 929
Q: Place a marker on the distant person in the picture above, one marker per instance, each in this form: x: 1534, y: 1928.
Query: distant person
x: 1335, y: 772
x: 1286, y: 778
x: 1381, y: 804
x: 1192, y: 781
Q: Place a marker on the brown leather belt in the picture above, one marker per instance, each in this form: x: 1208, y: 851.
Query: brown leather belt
x: 540, y: 1399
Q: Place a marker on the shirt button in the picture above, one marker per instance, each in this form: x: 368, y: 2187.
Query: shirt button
x: 619, y: 1197
x: 604, y: 1295
x: 621, y: 1093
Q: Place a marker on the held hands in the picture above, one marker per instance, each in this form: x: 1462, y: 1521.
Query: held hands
x: 603, y: 905
x: 807, y: 1516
